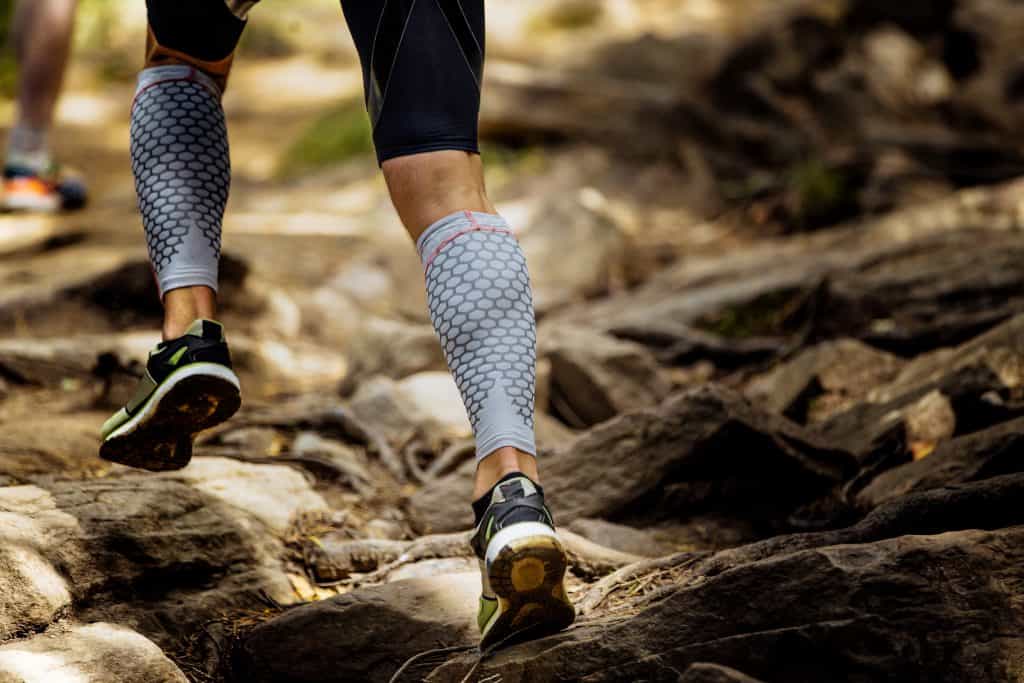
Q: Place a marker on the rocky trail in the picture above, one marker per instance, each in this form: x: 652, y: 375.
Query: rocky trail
x: 776, y: 454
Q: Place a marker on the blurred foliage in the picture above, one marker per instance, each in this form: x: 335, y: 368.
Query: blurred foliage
x: 269, y: 39
x: 7, y: 70
x: 568, y: 16
x: 341, y: 134
x: 502, y: 163
x: 95, y: 41
x: 822, y: 193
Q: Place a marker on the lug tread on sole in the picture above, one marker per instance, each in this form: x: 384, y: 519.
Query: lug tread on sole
x: 528, y: 578
x: 164, y: 441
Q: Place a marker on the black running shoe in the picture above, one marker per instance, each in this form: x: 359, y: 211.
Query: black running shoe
x: 189, y: 386
x: 522, y: 565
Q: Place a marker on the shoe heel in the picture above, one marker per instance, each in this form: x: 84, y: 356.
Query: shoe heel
x: 528, y: 576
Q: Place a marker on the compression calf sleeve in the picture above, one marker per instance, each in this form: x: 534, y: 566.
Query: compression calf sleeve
x: 478, y: 292
x: 179, y: 149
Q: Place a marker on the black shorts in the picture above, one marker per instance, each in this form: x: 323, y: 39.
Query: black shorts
x: 422, y: 62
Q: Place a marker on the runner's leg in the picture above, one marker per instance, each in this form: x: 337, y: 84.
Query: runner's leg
x: 422, y: 65
x: 41, y: 32
x: 42, y: 42
x: 180, y: 151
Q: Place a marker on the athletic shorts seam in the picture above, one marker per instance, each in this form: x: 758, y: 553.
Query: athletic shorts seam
x: 394, y: 62
x: 471, y: 33
x: 455, y: 36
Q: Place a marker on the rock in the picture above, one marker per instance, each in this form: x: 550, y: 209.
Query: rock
x: 37, y: 448
x: 714, y: 673
x: 900, y: 73
x: 976, y: 456
x: 577, y: 225
x: 365, y: 635
x: 642, y: 542
x: 93, y: 653
x: 271, y: 494
x: 883, y: 291
x: 930, y: 420
x: 937, y: 292
x: 427, y: 405
x: 151, y: 553
x: 823, y: 380
x: 551, y: 434
x: 270, y: 367
x: 343, y: 459
x: 878, y: 432
x: 393, y: 348
x: 1000, y: 350
x: 678, y: 344
x: 595, y: 377
x: 818, y: 610
x: 700, y: 451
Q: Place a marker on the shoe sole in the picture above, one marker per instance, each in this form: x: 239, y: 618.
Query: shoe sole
x: 159, y: 438
x: 18, y: 202
x: 527, y: 576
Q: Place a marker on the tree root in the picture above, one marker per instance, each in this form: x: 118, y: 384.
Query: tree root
x: 333, y: 561
x: 631, y: 574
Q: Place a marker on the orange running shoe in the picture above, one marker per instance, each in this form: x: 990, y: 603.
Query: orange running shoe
x: 26, y: 190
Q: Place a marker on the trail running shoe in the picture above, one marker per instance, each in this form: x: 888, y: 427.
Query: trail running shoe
x: 522, y: 565
x: 26, y: 190
x: 189, y: 386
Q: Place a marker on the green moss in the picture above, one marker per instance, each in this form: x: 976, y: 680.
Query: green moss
x: 822, y: 193
x: 338, y: 135
x: 503, y: 163
x: 569, y: 16
x: 763, y: 316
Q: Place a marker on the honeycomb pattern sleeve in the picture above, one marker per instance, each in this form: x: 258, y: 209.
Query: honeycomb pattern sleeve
x: 478, y: 292
x: 179, y: 151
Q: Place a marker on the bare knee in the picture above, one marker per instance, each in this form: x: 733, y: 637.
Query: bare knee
x: 427, y: 187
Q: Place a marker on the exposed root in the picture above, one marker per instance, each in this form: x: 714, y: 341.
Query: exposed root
x: 634, y: 579
x: 450, y: 458
x: 336, y: 561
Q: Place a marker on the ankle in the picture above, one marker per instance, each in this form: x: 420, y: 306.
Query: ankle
x: 501, y: 463
x: 185, y: 305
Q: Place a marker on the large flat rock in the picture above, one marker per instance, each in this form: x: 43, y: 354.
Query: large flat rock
x: 93, y: 653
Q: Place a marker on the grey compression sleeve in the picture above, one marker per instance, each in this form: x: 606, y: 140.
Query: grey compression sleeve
x: 179, y: 148
x: 478, y: 291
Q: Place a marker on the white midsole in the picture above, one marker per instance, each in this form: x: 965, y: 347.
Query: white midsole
x: 153, y: 402
x: 31, y: 202
x: 514, y: 533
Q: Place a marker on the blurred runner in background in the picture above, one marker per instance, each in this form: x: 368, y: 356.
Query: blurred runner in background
x: 41, y: 34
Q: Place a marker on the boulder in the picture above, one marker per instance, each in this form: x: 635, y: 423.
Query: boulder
x: 577, y: 225
x: 643, y: 542
x: 702, y: 672
x: 425, y: 405
x: 595, y: 377
x: 153, y: 553
x: 976, y: 456
x: 701, y: 451
x: 937, y: 608
x: 823, y: 380
x: 365, y: 635
x: 91, y: 653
